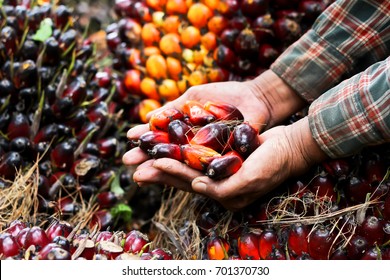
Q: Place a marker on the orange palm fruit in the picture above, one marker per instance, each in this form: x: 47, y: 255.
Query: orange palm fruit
x: 209, y: 41
x: 132, y: 81
x: 224, y: 166
x: 217, y: 24
x: 197, y: 77
x: 197, y: 156
x: 150, y: 34
x: 156, y: 66
x: 166, y: 150
x: 212, y: 4
x: 217, y: 247
x: 151, y: 138
x: 182, y: 84
x: 190, y: 36
x: 171, y: 24
x: 170, y: 44
x: 157, y: 5
x: 245, y: 139
x: 168, y: 90
x: 174, y: 68
x: 146, y: 106
x: 199, y: 56
x: 199, y: 14
x: 217, y: 74
x: 161, y: 120
x: 248, y: 245
x: 174, y: 7
x: 134, y: 59
x: 149, y: 88
x: 148, y: 52
x: 196, y: 114
x: 180, y: 132
x: 213, y: 135
x: 223, y: 111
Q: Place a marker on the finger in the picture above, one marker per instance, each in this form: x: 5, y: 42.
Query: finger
x: 177, y: 169
x: 137, y: 131
x: 134, y: 156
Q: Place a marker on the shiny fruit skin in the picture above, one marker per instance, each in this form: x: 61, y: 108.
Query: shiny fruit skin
x: 323, y: 186
x: 168, y: 90
x: 179, y: 132
x: 217, y: 248
x: 174, y: 68
x: 161, y: 120
x: 136, y: 242
x: 190, y: 37
x: 212, y: 135
x: 170, y: 44
x: 356, y: 247
x: 372, y: 230
x: 199, y: 14
x: 267, y: 241
x: 146, y: 106
x: 196, y: 114
x: 58, y: 228
x: 248, y: 245
x: 198, y: 156
x: 223, y: 111
x: 9, y: 246
x: 245, y: 139
x: 166, y: 150
x: 36, y: 236
x: 297, y: 240
x: 224, y: 166
x: 156, y: 66
x: 148, y: 88
x: 151, y: 138
x: 320, y: 243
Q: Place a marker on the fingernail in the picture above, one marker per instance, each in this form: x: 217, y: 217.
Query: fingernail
x: 199, y: 187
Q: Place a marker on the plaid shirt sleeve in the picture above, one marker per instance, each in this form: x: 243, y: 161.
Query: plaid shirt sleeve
x: 355, y: 113
x: 346, y: 38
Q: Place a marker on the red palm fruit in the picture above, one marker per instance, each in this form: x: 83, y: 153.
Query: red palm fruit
x: 196, y: 114
x: 166, y: 150
x: 151, y: 138
x: 132, y: 81
x: 46, y: 133
x: 356, y: 247
x: 268, y: 240
x: 53, y: 251
x: 276, y: 254
x: 58, y: 228
x: 297, y: 240
x: 386, y: 209
x: 228, y: 37
x: 19, y: 126
x: 62, y: 156
x: 15, y: 227
x: 323, y: 186
x: 287, y: 30
x: 267, y: 55
x: 372, y: 230
x: 9, y: 246
x: 179, y: 132
x: 206, y: 222
x: 245, y: 139
x: 67, y: 206
x: 229, y: 8
x: 89, y: 246
x: 76, y: 90
x: 224, y: 57
x: 103, y: 219
x: 223, y: 111
x: 311, y: 9
x: 321, y: 242
x: 373, y: 253
x: 338, y: 168
x: 108, y: 147
x: 9, y: 164
x: 356, y: 189
x: 85, y: 168
x: 339, y: 254
x: 21, y: 237
x: 224, y: 166
x: 198, y: 156
x: 246, y: 43
x: 212, y: 135
x: 373, y: 169
x: 136, y: 242
x: 106, y: 199
x: 254, y: 8
x: 248, y: 245
x: 217, y: 247
x: 161, y: 254
x: 161, y: 120
x: 36, y: 236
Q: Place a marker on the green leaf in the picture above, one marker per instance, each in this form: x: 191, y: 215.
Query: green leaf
x: 122, y: 211
x: 116, y: 186
x: 45, y: 30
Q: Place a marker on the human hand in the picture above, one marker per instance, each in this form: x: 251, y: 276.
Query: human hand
x: 284, y: 151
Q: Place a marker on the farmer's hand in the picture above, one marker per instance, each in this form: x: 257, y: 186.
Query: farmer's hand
x: 264, y: 102
x: 284, y: 151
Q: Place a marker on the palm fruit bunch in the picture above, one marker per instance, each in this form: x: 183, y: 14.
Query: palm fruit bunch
x: 338, y: 210
x: 60, y: 240
x: 210, y: 137
x: 163, y: 47
x: 59, y: 112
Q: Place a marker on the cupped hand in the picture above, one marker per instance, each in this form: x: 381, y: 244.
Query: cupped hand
x: 284, y: 151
